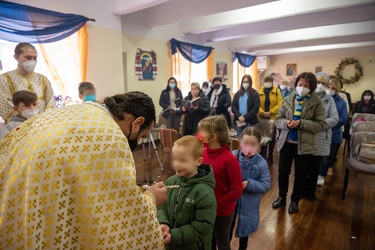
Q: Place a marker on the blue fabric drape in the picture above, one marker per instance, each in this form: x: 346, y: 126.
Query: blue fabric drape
x: 22, y: 23
x: 244, y: 60
x: 191, y: 52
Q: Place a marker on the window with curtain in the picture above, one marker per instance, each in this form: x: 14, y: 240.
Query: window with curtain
x: 187, y: 72
x: 61, y: 62
x: 239, y: 71
x: 190, y: 63
x: 60, y: 39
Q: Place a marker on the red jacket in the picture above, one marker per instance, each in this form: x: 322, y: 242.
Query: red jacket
x: 228, y: 177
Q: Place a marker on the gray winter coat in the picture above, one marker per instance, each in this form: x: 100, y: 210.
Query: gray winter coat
x: 313, y: 120
x: 323, y: 139
x: 13, y: 123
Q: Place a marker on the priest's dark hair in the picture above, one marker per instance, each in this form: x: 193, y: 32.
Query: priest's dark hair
x: 135, y: 103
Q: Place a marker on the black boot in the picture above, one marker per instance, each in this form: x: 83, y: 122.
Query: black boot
x: 293, y: 208
x: 279, y: 202
x: 309, y: 195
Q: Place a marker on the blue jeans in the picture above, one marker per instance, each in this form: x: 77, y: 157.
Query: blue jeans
x: 328, y: 161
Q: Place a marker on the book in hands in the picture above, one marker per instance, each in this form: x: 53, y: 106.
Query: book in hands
x: 195, y: 101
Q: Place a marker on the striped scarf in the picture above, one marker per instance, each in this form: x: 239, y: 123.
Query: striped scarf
x: 293, y: 133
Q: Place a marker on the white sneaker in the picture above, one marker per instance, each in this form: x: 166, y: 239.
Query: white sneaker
x: 330, y: 172
x: 320, y: 181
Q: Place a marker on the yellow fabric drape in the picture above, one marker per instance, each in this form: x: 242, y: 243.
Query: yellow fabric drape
x: 239, y: 72
x: 210, y: 65
x: 67, y: 62
x: 83, y: 44
x: 181, y: 69
x: 254, y: 75
x: 56, y: 79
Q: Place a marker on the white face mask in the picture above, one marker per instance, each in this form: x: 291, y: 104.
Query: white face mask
x: 268, y: 85
x: 330, y: 92
x: 282, y: 87
x: 319, y: 88
x: 28, y: 113
x: 245, y: 85
x: 367, y: 97
x: 302, y: 91
x: 29, y: 66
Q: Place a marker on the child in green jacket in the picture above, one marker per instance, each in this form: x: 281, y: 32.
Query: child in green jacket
x: 188, y: 216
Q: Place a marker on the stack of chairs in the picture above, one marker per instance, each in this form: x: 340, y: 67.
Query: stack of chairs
x: 361, y: 132
x: 266, y: 128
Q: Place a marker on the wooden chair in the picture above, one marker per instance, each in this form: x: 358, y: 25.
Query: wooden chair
x: 167, y: 139
x: 234, y: 144
x: 353, y: 163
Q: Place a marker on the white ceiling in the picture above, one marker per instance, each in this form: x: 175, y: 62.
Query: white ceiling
x: 264, y: 27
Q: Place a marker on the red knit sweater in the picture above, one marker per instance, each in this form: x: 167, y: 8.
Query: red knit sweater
x: 228, y: 177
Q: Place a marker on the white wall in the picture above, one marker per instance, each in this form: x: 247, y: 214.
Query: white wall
x: 137, y: 35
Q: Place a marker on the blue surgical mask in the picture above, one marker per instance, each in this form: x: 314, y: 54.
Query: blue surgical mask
x: 89, y: 98
x: 172, y: 85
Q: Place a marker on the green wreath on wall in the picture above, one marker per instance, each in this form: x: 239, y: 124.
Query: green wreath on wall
x: 358, y: 70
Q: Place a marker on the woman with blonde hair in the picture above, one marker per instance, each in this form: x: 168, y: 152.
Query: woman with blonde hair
x: 194, y: 109
x: 333, y: 89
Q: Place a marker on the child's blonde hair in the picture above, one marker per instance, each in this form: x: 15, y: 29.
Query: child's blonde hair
x: 192, y: 144
x: 216, y: 125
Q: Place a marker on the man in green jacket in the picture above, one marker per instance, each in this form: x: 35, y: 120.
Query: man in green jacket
x: 188, y: 216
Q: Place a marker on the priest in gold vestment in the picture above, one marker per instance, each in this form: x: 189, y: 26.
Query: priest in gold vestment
x: 67, y: 179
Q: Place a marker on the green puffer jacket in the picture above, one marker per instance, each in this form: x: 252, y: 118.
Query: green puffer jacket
x: 313, y: 121
x: 190, y: 210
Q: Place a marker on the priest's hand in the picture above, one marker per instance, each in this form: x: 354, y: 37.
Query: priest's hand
x: 160, y: 193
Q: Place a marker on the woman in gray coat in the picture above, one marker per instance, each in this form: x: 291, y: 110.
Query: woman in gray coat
x: 300, y: 117
x: 323, y: 139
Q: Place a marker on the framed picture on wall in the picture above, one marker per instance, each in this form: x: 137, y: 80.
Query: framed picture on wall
x: 145, y: 65
x: 318, y: 69
x: 291, y: 69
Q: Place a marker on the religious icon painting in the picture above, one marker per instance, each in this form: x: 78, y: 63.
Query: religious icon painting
x: 291, y: 69
x: 145, y: 65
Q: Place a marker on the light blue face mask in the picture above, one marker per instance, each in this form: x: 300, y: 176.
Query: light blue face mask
x: 172, y: 85
x: 89, y: 98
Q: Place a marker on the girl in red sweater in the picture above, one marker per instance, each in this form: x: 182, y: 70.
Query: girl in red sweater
x: 227, y: 172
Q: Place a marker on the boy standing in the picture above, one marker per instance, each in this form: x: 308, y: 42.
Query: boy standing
x: 25, y: 105
x: 87, y: 92
x: 188, y: 216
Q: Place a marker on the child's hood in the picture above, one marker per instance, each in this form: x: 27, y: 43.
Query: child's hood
x: 16, y: 118
x: 205, y: 175
x: 246, y: 162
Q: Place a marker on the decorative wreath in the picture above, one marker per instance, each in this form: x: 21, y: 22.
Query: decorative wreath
x: 358, y: 70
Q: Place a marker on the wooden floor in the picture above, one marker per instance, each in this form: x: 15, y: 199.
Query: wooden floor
x: 327, y: 223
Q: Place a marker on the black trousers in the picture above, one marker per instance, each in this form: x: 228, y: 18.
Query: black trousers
x: 313, y: 173
x: 288, y: 153
x: 221, y: 237
x: 243, y: 240
x: 271, y: 145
